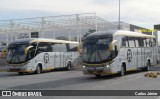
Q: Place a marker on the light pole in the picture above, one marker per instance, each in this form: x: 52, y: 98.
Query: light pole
x: 119, y: 26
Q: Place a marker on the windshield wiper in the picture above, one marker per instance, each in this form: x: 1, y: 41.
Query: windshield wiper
x: 90, y: 56
x: 12, y: 57
x: 18, y: 57
x: 15, y: 54
x: 99, y: 55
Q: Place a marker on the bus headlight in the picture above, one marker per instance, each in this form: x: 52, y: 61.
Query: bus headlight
x: 23, y: 67
x: 107, y: 66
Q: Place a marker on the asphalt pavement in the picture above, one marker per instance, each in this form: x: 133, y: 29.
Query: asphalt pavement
x: 75, y: 80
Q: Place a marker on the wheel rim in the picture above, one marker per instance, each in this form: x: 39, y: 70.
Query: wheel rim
x: 38, y: 70
x: 122, y: 70
x: 69, y: 66
x: 148, y: 66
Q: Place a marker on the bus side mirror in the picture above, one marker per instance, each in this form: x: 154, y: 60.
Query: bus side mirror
x: 26, y: 49
x: 111, y: 45
x: 3, y: 52
x: 115, y: 50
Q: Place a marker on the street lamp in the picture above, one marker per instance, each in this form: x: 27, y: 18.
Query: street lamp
x: 119, y: 26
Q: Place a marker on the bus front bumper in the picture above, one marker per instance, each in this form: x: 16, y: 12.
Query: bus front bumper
x: 17, y: 69
x: 92, y: 70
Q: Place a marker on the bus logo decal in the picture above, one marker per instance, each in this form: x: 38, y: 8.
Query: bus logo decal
x: 129, y: 55
x: 46, y: 58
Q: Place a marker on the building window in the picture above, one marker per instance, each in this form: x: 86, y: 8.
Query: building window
x: 34, y: 34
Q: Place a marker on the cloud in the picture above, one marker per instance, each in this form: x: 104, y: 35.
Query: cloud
x: 139, y: 12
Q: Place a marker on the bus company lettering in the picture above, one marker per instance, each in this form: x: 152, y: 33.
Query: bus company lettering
x: 142, y: 53
x: 46, y: 57
x: 14, y: 93
x: 129, y: 55
x: 146, y: 30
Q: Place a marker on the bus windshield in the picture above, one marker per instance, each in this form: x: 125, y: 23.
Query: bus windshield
x: 96, y: 50
x: 16, y: 53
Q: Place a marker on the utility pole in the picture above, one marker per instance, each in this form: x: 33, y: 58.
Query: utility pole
x: 119, y: 25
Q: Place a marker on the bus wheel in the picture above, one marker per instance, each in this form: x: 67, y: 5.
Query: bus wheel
x: 20, y: 73
x: 122, y: 73
x: 98, y: 75
x: 38, y: 70
x: 69, y: 66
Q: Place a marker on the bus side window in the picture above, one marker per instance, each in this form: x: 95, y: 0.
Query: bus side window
x: 73, y: 47
x: 44, y: 47
x: 140, y: 42
x: 147, y: 42
x: 153, y: 40
x: 49, y: 48
x: 127, y: 42
x: 136, y: 42
x: 59, y: 47
x: 131, y: 41
x: 150, y: 42
x: 40, y: 48
x: 123, y: 42
x: 144, y: 42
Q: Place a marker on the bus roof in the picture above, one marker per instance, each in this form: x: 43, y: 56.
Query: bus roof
x: 101, y: 34
x: 118, y: 32
x: 32, y: 40
x: 132, y: 34
x: 52, y: 40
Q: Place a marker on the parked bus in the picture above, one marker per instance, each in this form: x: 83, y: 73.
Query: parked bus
x: 37, y: 55
x: 117, y: 51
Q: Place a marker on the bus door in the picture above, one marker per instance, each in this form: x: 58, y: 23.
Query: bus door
x: 59, y: 49
x: 139, y: 57
x: 131, y: 57
x: 154, y: 51
x: 60, y: 59
x: 143, y: 52
x: 155, y: 55
x: 143, y: 56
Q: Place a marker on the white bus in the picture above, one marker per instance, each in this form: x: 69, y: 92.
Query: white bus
x: 117, y: 51
x: 37, y: 55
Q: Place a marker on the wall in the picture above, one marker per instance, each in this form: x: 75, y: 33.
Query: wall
x: 2, y: 61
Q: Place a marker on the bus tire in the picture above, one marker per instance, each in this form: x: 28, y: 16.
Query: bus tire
x: 122, y: 72
x: 20, y: 73
x: 38, y: 70
x: 98, y: 75
x: 69, y: 66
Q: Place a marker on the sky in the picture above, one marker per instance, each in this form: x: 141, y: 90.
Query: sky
x: 143, y: 13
